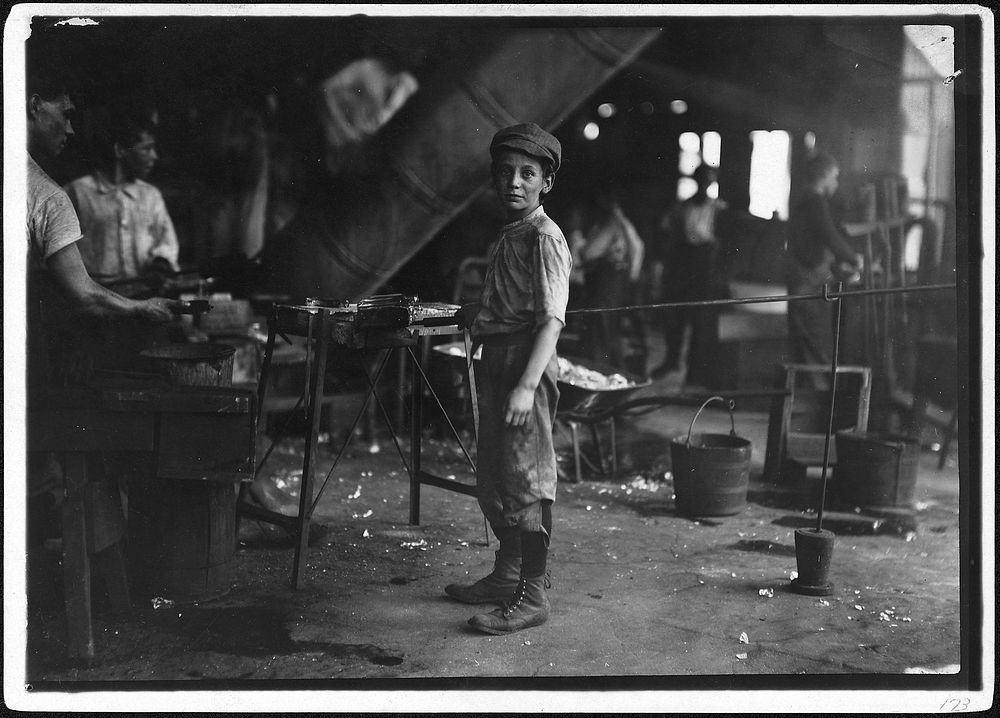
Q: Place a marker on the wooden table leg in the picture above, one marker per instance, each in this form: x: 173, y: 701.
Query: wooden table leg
x: 76, y: 562
x: 314, y: 411
x: 265, y: 369
x: 575, y: 432
x: 110, y: 564
x: 416, y: 418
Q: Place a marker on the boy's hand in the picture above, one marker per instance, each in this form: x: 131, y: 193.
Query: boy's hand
x: 466, y: 315
x: 519, y: 405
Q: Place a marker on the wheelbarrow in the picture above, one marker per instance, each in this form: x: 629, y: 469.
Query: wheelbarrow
x: 580, y: 401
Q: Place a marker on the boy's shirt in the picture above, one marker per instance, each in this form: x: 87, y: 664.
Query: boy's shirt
x: 125, y: 226
x: 527, y: 278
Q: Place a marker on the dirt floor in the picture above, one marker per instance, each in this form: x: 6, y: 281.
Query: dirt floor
x: 637, y: 590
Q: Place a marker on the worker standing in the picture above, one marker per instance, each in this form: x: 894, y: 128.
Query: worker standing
x: 612, y: 262
x: 692, y: 246
x: 60, y: 292
x: 518, y: 321
x: 59, y: 285
x: 127, y: 230
x: 815, y: 244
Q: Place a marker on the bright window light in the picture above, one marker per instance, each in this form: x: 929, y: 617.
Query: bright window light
x: 770, y: 175
x: 678, y: 107
x: 591, y: 130
x: 713, y: 190
x: 686, y: 187
x: 690, y: 142
x: 711, y: 148
x: 687, y: 162
x: 606, y: 110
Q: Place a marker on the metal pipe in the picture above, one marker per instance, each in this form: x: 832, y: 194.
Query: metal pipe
x: 833, y: 399
x: 764, y: 300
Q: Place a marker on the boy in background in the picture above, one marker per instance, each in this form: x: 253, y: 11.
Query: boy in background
x: 126, y: 229
x: 518, y: 320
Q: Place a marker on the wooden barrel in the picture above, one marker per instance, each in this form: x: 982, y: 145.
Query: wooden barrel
x: 182, y: 532
x: 193, y: 364
x: 183, y: 536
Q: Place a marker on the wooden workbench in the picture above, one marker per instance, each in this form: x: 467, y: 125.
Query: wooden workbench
x: 203, y: 434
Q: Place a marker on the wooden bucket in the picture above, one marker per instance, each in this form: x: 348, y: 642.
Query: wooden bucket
x: 193, y: 364
x: 184, y: 538
x: 182, y: 532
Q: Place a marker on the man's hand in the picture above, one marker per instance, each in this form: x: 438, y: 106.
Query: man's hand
x: 158, y: 309
x: 467, y: 315
x: 519, y: 405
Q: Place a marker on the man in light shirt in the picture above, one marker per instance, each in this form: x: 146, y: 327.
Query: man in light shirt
x: 127, y: 230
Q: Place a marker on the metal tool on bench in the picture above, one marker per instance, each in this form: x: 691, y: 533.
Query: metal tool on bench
x: 388, y: 311
x: 385, y: 311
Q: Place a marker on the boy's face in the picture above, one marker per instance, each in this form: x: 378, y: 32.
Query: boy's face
x: 138, y: 159
x: 520, y: 182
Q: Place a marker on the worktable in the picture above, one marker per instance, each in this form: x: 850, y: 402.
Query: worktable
x: 323, y: 326
x: 204, y: 435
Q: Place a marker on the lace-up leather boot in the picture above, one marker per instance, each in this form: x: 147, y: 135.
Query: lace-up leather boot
x: 529, y: 606
x: 499, y: 584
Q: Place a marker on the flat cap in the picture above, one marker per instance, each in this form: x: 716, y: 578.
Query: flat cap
x: 530, y: 139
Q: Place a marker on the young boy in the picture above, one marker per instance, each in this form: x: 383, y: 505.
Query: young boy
x: 518, y: 321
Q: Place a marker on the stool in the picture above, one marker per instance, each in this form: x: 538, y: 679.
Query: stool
x: 792, y: 450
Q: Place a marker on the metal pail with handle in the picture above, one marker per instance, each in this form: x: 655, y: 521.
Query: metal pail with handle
x: 711, y: 471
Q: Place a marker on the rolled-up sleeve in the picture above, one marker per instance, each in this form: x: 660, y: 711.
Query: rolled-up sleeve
x: 56, y: 226
x: 165, y: 243
x: 553, y: 264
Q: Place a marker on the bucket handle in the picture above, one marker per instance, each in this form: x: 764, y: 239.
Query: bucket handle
x: 732, y: 421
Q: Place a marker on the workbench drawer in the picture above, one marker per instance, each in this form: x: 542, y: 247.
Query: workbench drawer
x: 207, y: 447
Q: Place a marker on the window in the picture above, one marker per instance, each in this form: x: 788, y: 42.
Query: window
x: 696, y: 150
x: 770, y: 173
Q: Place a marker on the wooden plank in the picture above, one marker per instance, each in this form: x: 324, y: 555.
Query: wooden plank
x: 89, y: 430
x: 105, y: 515
x: 110, y: 565
x: 76, y: 561
x: 180, y: 399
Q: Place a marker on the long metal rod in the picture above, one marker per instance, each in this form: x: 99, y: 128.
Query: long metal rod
x: 833, y: 399
x: 764, y: 300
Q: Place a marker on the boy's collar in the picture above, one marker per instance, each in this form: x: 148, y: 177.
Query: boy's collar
x: 531, y: 215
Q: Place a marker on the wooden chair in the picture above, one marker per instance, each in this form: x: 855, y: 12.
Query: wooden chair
x: 798, y: 420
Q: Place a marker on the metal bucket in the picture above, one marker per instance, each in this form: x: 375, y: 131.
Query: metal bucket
x: 711, y: 471
x: 193, y: 364
x: 876, y: 470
